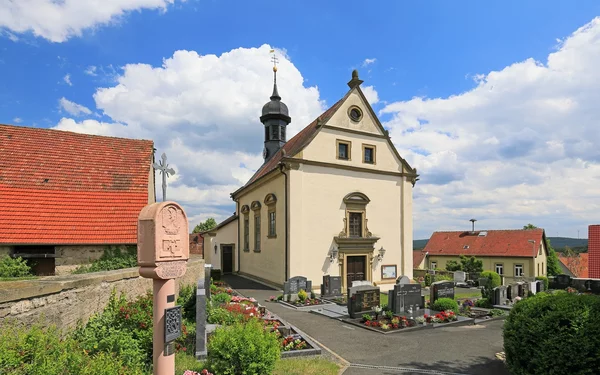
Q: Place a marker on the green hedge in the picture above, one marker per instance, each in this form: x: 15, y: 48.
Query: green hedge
x: 14, y: 267
x: 444, y: 304
x: 494, y: 278
x: 553, y: 334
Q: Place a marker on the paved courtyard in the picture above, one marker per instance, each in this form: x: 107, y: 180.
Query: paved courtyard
x: 468, y: 350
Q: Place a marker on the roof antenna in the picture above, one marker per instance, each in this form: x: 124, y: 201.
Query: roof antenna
x: 473, y: 224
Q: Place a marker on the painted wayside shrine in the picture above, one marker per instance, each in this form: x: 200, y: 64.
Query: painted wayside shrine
x: 336, y: 199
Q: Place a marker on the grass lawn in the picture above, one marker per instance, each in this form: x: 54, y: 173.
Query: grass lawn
x: 292, y: 366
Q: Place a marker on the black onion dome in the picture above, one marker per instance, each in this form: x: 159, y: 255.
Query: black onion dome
x: 275, y: 106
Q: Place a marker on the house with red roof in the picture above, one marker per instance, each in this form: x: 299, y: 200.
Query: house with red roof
x: 65, y: 197
x: 510, y: 253
x: 335, y: 199
x: 575, y: 265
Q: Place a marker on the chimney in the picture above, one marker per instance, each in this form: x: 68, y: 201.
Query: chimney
x: 473, y: 225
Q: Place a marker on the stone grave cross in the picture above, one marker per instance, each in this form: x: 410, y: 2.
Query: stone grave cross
x: 162, y: 253
x: 164, y: 168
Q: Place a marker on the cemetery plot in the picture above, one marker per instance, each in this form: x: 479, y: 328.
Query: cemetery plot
x: 297, y: 293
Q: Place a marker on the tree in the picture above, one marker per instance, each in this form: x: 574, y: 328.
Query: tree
x: 453, y: 265
x: 471, y: 265
x: 553, y: 266
x: 209, y: 224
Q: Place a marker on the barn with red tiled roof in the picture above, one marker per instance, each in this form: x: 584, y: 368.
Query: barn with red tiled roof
x: 511, y: 253
x: 65, y: 196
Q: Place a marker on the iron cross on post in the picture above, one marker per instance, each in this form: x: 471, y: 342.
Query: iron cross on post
x: 166, y: 171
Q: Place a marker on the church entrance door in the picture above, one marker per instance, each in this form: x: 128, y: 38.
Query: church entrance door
x: 227, y: 259
x: 355, y: 269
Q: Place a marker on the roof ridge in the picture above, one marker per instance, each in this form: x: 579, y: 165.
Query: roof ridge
x: 487, y: 230
x: 32, y: 128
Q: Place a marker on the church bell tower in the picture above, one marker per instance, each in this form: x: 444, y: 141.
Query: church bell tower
x: 275, y: 118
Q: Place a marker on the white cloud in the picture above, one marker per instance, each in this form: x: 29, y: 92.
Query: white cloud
x: 368, y: 62
x: 17, y: 120
x: 72, y: 108
x: 520, y: 147
x: 370, y: 94
x: 67, y: 79
x: 91, y: 70
x: 58, y: 21
x: 203, y: 112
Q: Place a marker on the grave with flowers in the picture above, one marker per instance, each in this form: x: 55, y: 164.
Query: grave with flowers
x: 298, y: 294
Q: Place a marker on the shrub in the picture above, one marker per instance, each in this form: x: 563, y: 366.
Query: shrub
x: 187, y: 300
x: 495, y: 279
x: 243, y: 349
x: 302, y: 295
x: 42, y: 351
x: 14, y: 267
x: 112, y: 259
x: 444, y: 304
x: 432, y: 278
x: 545, y: 280
x: 220, y: 298
x: 553, y: 334
x: 483, y: 303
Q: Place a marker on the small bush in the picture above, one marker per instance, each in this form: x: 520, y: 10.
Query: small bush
x: 220, y: 298
x: 495, y: 279
x: 545, y: 280
x: 483, y: 303
x: 302, y: 295
x: 42, y: 351
x: 444, y: 304
x: 112, y: 259
x: 553, y: 334
x: 246, y: 349
x: 14, y: 267
x: 187, y: 300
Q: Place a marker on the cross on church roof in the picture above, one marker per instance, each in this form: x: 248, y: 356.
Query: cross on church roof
x: 164, y: 168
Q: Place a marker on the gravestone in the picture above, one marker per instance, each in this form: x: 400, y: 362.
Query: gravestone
x: 332, y: 286
x: 404, y: 297
x: 207, y: 273
x: 539, y: 286
x: 162, y: 255
x: 460, y: 277
x: 403, y: 280
x: 361, y: 282
x: 533, y: 287
x: 520, y: 290
x: 526, y: 289
x: 499, y: 296
x: 595, y: 287
x: 441, y: 289
x: 201, y: 299
x: 362, y: 299
x: 295, y: 284
x: 562, y: 281
x: 512, y: 292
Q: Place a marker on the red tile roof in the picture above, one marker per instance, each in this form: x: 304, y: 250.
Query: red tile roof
x: 503, y: 243
x: 296, y: 143
x: 418, y: 256
x: 60, y: 187
x: 578, y: 264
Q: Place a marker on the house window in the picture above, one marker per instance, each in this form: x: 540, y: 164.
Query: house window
x: 433, y: 265
x: 518, y: 270
x: 540, y: 253
x: 257, y: 232
x: 246, y: 233
x: 355, y: 225
x: 368, y: 154
x: 272, y: 232
x: 343, y: 150
x: 499, y: 269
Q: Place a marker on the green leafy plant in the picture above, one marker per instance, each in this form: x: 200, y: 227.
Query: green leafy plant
x: 187, y: 300
x: 444, y: 304
x: 483, y: 303
x: 367, y: 317
x: 495, y: 279
x: 14, y: 267
x: 246, y: 349
x: 113, y: 258
x: 429, y: 279
x: 36, y: 350
x: 302, y: 295
x: 497, y: 312
x: 453, y: 265
x: 471, y: 264
x: 553, y: 334
x: 220, y: 298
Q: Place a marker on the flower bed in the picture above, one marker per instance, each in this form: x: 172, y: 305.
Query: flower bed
x: 441, y: 317
x: 387, y: 324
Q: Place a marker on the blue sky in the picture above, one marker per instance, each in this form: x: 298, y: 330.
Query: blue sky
x: 73, y: 67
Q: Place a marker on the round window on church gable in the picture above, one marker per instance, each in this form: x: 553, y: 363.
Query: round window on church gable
x: 355, y: 114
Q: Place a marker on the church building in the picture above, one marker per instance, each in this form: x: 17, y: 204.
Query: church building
x: 336, y: 199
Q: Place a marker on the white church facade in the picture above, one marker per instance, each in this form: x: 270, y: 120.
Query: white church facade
x: 336, y: 199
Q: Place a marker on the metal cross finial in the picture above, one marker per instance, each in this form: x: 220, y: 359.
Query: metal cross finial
x: 166, y: 171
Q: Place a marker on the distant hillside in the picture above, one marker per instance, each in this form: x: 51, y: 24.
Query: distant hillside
x: 558, y: 243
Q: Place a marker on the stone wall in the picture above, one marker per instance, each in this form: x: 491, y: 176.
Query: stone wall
x: 69, y: 257
x: 64, y: 300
